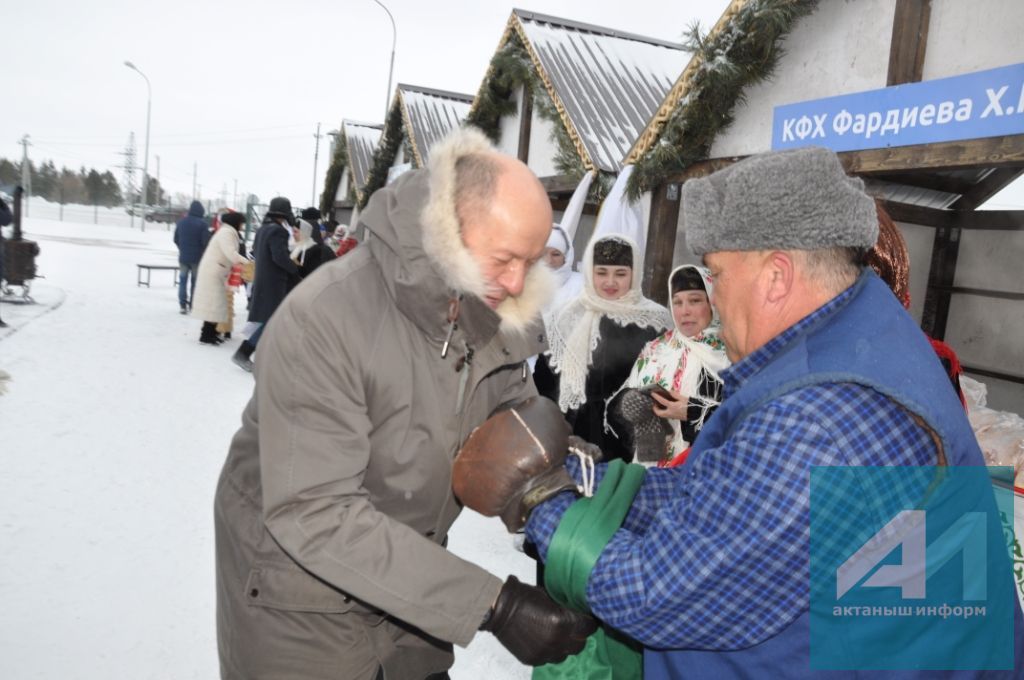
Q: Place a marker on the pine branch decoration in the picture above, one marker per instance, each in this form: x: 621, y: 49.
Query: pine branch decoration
x: 745, y: 52
x: 385, y: 153
x: 337, y: 168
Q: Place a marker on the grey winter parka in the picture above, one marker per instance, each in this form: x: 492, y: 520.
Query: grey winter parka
x: 335, y: 501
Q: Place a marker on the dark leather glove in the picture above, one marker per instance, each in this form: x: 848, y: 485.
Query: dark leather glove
x: 534, y: 627
x: 514, y: 461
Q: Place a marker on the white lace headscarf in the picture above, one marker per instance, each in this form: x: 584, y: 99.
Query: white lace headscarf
x: 575, y: 333
x: 559, y: 240
x: 303, y: 243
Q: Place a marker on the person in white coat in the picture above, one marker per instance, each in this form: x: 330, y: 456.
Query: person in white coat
x: 210, y: 303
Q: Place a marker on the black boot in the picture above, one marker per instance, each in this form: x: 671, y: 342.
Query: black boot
x: 241, y: 357
x: 208, y: 334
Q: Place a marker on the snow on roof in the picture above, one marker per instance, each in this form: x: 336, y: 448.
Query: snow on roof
x: 430, y: 115
x: 609, y: 83
x: 362, y: 139
x: 678, y: 95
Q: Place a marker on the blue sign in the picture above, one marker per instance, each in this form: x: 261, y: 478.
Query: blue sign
x: 910, y: 569
x: 983, y: 104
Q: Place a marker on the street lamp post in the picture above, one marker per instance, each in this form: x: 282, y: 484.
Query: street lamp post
x: 391, y: 70
x: 145, y: 158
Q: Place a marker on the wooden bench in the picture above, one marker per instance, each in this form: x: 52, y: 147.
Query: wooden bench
x: 148, y: 268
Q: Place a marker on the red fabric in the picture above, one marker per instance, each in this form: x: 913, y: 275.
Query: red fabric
x: 346, y: 245
x: 677, y: 461
x: 235, y: 277
x: 952, y: 364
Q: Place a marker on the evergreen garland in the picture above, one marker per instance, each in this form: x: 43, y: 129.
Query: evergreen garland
x: 384, y: 155
x: 334, y: 173
x: 745, y: 52
x: 407, y: 151
x: 511, y: 68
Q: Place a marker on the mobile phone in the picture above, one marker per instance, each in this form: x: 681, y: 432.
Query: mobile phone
x: 660, y: 391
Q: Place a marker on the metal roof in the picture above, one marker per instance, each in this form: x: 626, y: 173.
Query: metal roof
x: 430, y: 115
x: 608, y: 83
x: 680, y: 88
x: 361, y: 140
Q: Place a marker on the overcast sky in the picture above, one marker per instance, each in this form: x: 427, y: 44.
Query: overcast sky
x: 239, y: 85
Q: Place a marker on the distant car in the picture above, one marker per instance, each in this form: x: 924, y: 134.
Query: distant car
x: 165, y: 214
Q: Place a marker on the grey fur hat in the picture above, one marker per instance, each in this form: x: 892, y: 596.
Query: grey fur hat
x: 798, y: 199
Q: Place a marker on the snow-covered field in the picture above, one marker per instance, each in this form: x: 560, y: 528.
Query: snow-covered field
x: 113, y: 430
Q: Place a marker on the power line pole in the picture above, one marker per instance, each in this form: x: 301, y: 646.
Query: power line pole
x: 234, y: 199
x: 26, y: 171
x: 316, y: 157
x: 129, y: 177
x: 194, y: 166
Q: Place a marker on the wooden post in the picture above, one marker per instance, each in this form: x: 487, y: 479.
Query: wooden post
x: 946, y: 250
x: 525, y: 124
x: 909, y: 41
x: 661, y: 241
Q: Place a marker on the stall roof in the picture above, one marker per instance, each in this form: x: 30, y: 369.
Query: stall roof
x: 925, y: 187
x: 361, y: 140
x: 681, y: 86
x: 429, y: 115
x: 606, y: 84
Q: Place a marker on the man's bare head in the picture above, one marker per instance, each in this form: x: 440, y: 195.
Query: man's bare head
x: 505, y: 219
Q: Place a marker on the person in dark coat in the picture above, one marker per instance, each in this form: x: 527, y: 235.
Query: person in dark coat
x: 310, y: 251
x: 5, y: 219
x: 191, y: 235
x: 276, y: 274
x: 595, y: 339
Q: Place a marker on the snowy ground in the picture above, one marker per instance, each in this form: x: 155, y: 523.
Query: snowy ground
x: 113, y: 430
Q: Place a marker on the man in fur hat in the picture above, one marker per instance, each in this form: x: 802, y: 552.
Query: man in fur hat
x: 334, y: 505
x: 709, y: 568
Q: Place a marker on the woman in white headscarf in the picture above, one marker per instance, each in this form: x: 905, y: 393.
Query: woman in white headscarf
x: 679, y: 370
x: 594, y: 339
x: 559, y: 255
x: 309, y: 251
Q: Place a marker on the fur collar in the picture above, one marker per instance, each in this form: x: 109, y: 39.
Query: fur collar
x: 442, y: 239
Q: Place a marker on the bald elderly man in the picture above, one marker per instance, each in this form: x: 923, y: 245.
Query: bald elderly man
x: 709, y: 570
x: 333, y: 507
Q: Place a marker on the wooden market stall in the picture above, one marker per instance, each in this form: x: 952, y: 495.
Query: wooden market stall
x: 569, y: 98
x: 419, y: 117
x: 929, y: 98
x: 350, y: 169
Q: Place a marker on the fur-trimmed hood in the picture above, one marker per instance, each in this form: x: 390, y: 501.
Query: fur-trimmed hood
x: 416, y: 238
x: 442, y: 239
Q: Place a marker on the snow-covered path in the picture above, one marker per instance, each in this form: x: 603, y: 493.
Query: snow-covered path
x: 112, y: 433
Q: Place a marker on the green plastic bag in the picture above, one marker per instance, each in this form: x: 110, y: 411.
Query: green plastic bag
x: 607, y: 656
x: 584, y: 531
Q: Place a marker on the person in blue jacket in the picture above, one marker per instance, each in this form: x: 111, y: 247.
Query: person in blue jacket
x: 709, y: 569
x: 191, y: 235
